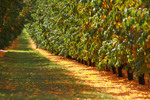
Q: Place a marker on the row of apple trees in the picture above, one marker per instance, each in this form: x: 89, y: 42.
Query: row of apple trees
x: 11, y: 21
x: 110, y: 34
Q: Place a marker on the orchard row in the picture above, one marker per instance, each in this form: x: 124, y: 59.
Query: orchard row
x: 109, y: 34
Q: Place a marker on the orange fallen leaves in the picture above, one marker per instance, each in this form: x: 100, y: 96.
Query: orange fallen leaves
x: 98, y: 79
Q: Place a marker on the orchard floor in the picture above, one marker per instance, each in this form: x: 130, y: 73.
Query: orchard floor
x: 36, y: 74
x: 25, y: 74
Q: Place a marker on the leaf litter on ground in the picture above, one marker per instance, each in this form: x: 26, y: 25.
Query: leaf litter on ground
x: 28, y: 75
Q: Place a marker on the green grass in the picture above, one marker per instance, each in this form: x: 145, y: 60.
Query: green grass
x: 27, y: 75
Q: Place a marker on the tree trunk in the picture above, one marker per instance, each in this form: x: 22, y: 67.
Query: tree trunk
x: 130, y: 74
x: 78, y: 60
x: 95, y: 65
x: 107, y: 68
x: 68, y: 56
x: 120, y: 71
x: 114, y: 69
x: 141, y: 79
x: 90, y: 64
x: 82, y: 61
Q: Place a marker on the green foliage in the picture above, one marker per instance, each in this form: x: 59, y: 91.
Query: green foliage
x: 11, y: 22
x: 97, y: 30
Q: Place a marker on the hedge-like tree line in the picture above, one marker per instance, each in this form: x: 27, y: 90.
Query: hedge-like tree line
x: 109, y: 34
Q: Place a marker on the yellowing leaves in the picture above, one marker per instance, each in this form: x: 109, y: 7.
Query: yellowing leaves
x: 91, y: 24
x: 105, y: 5
x: 90, y: 10
x: 119, y: 7
x: 104, y: 16
x: 119, y: 24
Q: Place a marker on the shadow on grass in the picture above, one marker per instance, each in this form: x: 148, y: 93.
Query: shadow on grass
x: 25, y: 74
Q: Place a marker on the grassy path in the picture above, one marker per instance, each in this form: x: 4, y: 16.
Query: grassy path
x: 25, y: 74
